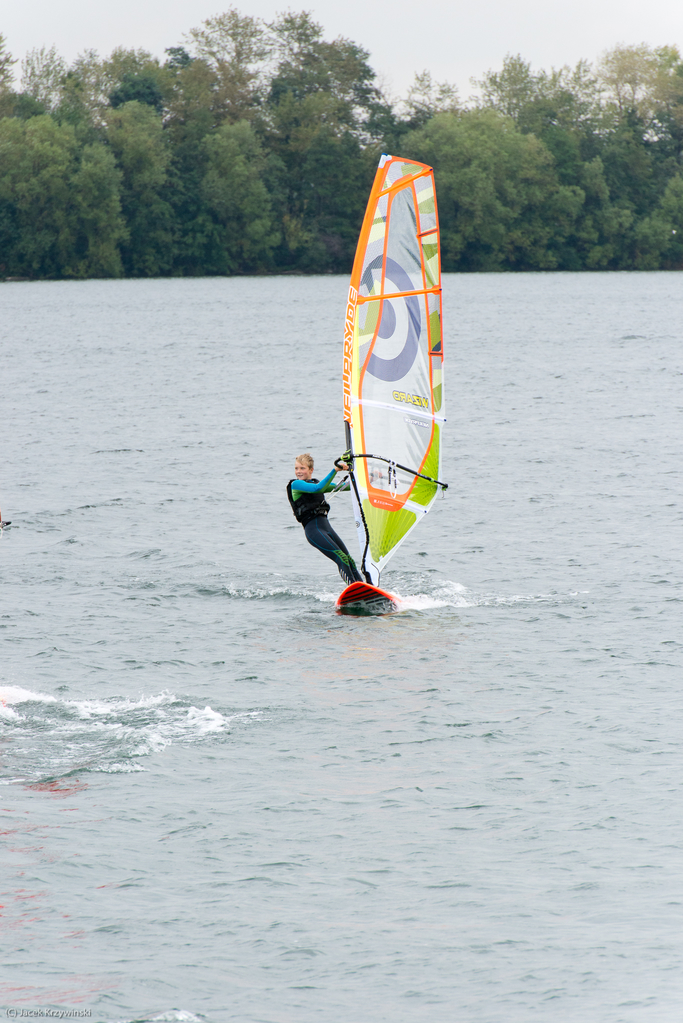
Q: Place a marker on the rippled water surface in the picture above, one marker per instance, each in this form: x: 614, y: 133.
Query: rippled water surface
x: 221, y: 801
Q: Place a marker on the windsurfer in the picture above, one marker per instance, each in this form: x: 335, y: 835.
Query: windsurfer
x: 306, y: 496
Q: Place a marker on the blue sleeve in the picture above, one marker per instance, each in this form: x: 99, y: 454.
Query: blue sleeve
x: 304, y: 487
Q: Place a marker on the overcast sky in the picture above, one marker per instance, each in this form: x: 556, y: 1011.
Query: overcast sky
x: 454, y: 39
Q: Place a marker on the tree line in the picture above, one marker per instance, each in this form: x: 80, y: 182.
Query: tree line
x: 252, y: 147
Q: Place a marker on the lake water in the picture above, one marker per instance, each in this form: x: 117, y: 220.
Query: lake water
x: 221, y: 801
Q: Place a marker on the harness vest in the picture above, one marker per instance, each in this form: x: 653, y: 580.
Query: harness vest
x: 308, y: 506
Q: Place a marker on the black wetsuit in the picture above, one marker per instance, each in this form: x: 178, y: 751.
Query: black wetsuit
x: 307, y: 498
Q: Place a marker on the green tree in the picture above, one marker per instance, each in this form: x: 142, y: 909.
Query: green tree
x: 643, y: 93
x: 141, y: 87
x: 11, y: 105
x: 243, y: 234
x: 178, y: 58
x: 659, y: 237
x: 427, y: 98
x: 6, y: 62
x: 37, y: 159
x: 191, y: 104
x: 321, y: 102
x: 640, y: 78
x: 135, y: 134
x: 235, y: 50
x: 603, y: 229
x: 20, y: 105
x: 671, y: 211
x: 59, y: 207
x: 42, y: 72
x: 127, y: 65
x: 500, y: 203
x: 100, y: 228
x: 616, y: 134
x: 572, y: 95
x: 628, y: 163
x: 191, y: 117
x: 510, y: 90
x: 86, y: 88
x: 84, y: 91
x: 322, y: 185
x: 306, y: 64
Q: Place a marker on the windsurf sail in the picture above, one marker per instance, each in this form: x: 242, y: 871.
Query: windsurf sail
x: 393, y: 361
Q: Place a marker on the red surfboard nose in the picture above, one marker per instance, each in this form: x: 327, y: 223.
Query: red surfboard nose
x: 363, y: 597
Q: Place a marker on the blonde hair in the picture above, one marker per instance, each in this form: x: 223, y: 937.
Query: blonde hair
x: 305, y: 459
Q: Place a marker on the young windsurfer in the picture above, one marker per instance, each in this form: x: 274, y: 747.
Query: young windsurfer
x: 306, y: 496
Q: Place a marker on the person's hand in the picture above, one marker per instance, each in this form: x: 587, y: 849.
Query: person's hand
x: 342, y: 464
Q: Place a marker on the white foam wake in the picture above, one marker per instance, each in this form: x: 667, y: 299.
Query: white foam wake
x: 452, y: 594
x: 53, y: 736
x: 448, y: 594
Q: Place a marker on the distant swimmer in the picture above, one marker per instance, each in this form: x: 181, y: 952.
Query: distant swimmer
x: 3, y: 523
x: 306, y: 496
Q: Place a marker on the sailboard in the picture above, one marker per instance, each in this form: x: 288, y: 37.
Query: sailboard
x: 393, y: 363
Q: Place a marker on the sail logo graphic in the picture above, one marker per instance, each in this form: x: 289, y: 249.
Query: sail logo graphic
x: 349, y: 323
x: 411, y: 399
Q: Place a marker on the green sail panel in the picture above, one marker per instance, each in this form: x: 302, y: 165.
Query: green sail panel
x: 386, y: 529
x: 423, y: 491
